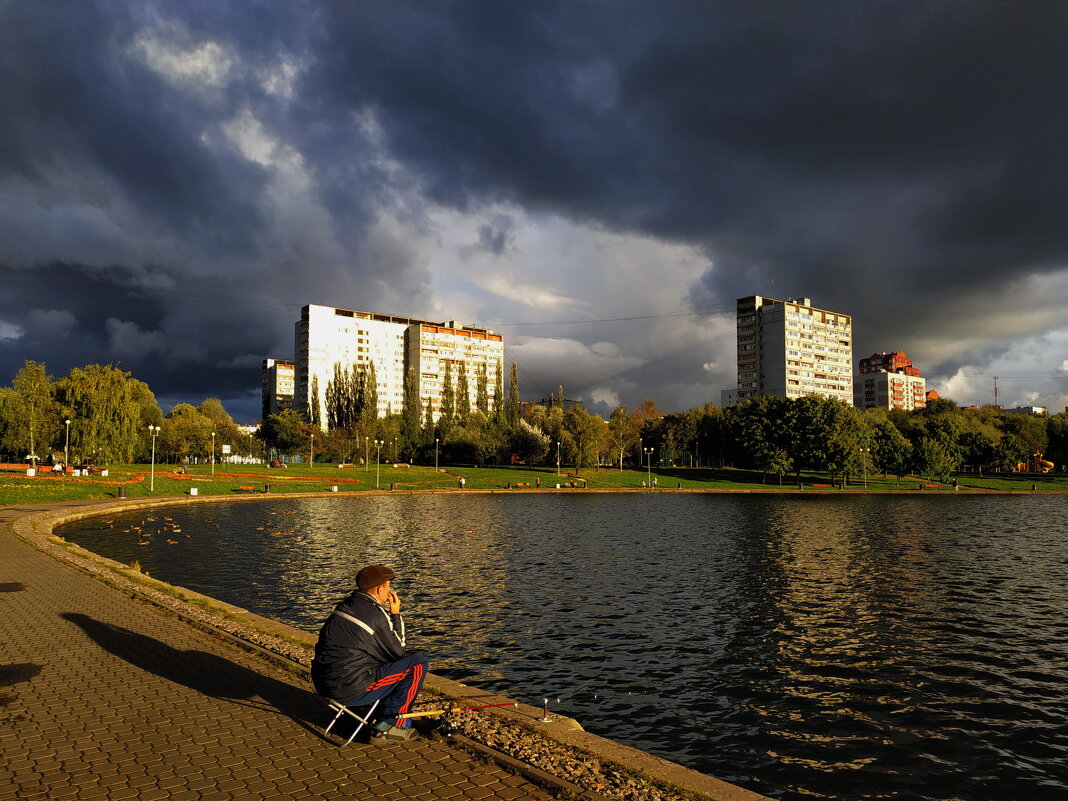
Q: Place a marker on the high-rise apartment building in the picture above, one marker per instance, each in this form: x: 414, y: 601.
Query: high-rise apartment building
x: 276, y: 385
x: 789, y: 348
x: 328, y: 336
x: 889, y: 381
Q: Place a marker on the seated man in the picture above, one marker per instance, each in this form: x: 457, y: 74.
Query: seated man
x: 360, y: 655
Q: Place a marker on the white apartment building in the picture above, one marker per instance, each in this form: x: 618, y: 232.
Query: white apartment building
x: 883, y: 390
x: 789, y: 348
x: 328, y: 336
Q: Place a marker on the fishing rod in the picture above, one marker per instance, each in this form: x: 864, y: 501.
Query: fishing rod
x: 450, y: 709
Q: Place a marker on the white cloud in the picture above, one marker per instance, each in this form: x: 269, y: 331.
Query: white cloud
x: 9, y: 330
x: 183, y: 63
x: 605, y: 396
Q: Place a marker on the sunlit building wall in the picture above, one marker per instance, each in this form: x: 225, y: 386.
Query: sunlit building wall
x: 789, y: 348
x: 327, y: 336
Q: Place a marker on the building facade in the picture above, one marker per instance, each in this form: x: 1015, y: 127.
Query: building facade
x: 326, y: 336
x: 789, y: 348
x: 276, y: 385
x: 889, y: 381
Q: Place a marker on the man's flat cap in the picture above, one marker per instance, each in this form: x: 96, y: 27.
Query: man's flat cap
x: 372, y: 576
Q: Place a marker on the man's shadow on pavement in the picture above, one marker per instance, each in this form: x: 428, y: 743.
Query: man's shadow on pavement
x: 206, y: 673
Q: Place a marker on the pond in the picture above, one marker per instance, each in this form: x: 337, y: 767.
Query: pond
x: 856, y: 647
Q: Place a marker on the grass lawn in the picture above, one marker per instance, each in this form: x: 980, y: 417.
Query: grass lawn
x: 233, y: 480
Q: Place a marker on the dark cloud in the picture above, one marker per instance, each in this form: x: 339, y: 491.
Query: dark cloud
x: 176, y: 179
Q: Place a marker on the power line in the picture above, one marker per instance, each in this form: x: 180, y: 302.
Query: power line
x: 663, y: 316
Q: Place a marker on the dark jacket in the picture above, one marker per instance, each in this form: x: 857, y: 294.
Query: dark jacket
x: 350, y: 650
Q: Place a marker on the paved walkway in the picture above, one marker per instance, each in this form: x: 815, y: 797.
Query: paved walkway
x: 103, y: 696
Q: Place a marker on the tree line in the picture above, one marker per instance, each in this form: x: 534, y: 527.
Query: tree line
x: 778, y: 436
x: 110, y: 414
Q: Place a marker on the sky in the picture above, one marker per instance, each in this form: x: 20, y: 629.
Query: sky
x: 597, y: 181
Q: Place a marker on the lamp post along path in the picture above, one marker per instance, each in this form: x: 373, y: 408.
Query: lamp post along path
x: 154, y: 431
x: 66, y: 447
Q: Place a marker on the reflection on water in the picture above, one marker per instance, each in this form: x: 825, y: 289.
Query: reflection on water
x: 780, y: 643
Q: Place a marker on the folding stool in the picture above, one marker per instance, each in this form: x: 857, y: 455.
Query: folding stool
x: 346, y: 710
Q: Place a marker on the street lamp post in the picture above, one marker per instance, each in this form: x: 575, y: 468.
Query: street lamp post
x: 250, y: 447
x: 311, y: 449
x: 557, y: 458
x: 154, y: 431
x: 436, y: 441
x: 648, y: 465
x: 213, y: 453
x: 367, y: 452
x: 66, y: 447
x: 378, y: 460
x: 864, y: 460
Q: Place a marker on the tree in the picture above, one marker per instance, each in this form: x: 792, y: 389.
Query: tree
x: 1010, y: 452
x: 34, y: 412
x: 1057, y: 439
x: 284, y: 431
x: 369, y: 412
x: 186, y: 432
x: 411, y: 430
x: 1031, y: 431
x: 447, y: 416
x: 587, y: 434
x: 764, y: 429
x: 977, y: 449
x: 891, y: 451
x: 482, y: 389
x: 529, y: 444
x: 106, y: 409
x: 513, y: 395
x: 498, y: 392
x: 933, y: 460
x: 315, y: 412
x: 623, y: 431
x: 463, y: 393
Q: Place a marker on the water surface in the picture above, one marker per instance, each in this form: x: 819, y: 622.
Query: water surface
x: 863, y: 647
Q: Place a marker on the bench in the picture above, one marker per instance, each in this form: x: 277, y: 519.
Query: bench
x: 821, y: 486
x: 522, y: 483
x: 15, y: 467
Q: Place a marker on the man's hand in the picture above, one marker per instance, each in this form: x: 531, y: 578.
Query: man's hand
x: 394, y: 603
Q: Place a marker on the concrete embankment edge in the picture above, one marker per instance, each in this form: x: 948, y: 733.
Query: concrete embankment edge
x: 37, y: 528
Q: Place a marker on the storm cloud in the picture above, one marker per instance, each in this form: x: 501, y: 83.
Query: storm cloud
x: 597, y: 181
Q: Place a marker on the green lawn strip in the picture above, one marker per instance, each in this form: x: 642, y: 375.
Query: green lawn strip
x: 237, y: 480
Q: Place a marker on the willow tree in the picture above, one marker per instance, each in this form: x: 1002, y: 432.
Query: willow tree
x: 32, y: 414
x: 105, y: 408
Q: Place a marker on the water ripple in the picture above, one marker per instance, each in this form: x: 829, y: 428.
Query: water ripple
x: 815, y: 647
